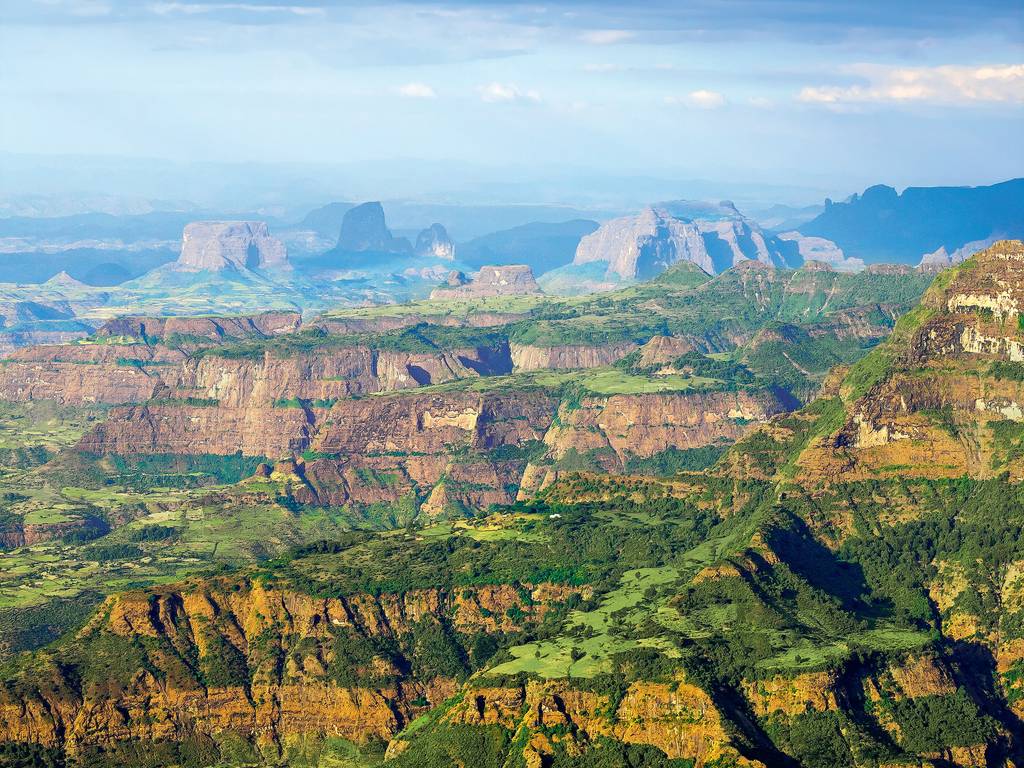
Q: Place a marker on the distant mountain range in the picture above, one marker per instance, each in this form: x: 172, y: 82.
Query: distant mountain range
x: 882, y: 225
x: 423, y: 241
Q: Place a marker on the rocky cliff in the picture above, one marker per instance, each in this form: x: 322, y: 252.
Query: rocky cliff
x: 363, y: 228
x: 245, y: 660
x: 212, y: 328
x: 511, y: 280
x: 638, y: 247
x: 942, y: 397
x: 714, y: 238
x: 219, y: 245
x: 434, y: 242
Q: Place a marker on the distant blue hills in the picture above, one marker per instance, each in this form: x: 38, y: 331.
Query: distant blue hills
x: 881, y: 225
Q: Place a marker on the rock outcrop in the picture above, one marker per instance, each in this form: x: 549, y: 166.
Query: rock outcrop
x: 511, y: 280
x: 363, y: 228
x: 715, y: 237
x: 213, y: 328
x: 218, y: 245
x: 941, y: 258
x: 641, y: 246
x: 939, y: 398
x: 434, y: 242
x: 171, y: 684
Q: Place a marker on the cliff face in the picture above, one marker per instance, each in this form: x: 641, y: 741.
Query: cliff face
x: 440, y: 447
x: 218, y: 245
x: 714, y: 237
x: 512, y: 280
x: 643, y: 425
x: 134, y: 373
x: 449, y: 448
x: 941, y: 397
x: 72, y: 374
x: 641, y: 246
x: 529, y: 357
x: 677, y: 718
x: 152, y: 667
x: 213, y: 328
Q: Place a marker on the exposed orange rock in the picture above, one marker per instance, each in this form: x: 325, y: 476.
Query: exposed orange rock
x: 931, y: 411
x: 679, y: 719
x: 795, y: 695
x: 163, y: 699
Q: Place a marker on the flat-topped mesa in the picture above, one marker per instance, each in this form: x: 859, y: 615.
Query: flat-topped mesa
x: 510, y: 280
x: 889, y: 269
x: 229, y: 327
x: 219, y: 245
x: 434, y: 241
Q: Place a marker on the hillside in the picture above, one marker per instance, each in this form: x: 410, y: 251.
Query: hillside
x: 527, y: 532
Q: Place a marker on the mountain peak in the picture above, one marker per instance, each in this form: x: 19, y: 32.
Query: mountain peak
x: 364, y: 228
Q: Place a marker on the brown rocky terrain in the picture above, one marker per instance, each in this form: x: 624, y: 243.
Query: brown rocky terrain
x: 934, y: 399
x: 213, y: 328
x: 286, y: 651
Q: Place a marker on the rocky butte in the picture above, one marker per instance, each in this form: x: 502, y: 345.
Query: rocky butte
x: 219, y: 245
x: 363, y: 228
x: 434, y: 241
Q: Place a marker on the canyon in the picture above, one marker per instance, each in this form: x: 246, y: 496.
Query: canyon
x: 698, y: 521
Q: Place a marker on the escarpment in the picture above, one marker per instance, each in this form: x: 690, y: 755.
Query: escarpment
x: 943, y: 396
x: 633, y: 548
x: 259, y: 663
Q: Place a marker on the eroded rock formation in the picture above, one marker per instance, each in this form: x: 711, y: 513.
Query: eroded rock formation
x: 511, y: 280
x: 219, y: 245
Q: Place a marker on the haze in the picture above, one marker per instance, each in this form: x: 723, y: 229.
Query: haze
x: 508, y: 101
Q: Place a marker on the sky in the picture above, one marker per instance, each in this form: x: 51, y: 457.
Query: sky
x: 800, y: 93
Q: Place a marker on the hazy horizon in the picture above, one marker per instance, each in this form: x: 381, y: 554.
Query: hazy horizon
x: 579, y: 102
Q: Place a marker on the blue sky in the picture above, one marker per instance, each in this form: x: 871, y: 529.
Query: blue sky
x: 824, y: 94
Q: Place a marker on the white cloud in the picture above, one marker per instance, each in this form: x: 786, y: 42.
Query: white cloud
x: 702, y: 99
x: 417, y: 91
x: 760, y: 102
x: 601, y: 68
x: 939, y: 85
x: 191, y: 9
x: 507, y: 92
x: 606, y: 36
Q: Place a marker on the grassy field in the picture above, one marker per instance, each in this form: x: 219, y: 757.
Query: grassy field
x: 45, y: 424
x: 607, y: 380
